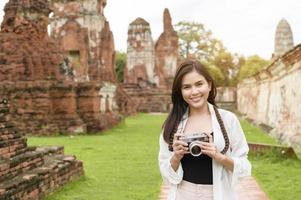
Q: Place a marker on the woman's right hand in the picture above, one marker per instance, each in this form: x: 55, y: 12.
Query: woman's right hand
x: 179, y: 147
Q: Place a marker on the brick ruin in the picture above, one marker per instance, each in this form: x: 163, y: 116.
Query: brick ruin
x: 140, y: 65
x: 270, y: 98
x: 150, y: 66
x: 29, y: 173
x: 166, y: 51
x: 26, y: 52
x: 84, y: 34
x: 48, y: 91
x: 283, y: 38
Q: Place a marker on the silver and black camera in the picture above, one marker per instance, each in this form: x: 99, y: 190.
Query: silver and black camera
x: 191, y: 140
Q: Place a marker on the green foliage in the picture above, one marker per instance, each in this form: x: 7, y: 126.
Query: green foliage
x: 195, y: 41
x: 229, y: 65
x: 252, y: 65
x: 120, y: 65
x: 216, y: 74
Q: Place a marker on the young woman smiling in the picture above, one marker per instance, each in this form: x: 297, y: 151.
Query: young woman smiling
x: 212, y: 175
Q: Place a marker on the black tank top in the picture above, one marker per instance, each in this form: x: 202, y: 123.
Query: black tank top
x: 198, y: 169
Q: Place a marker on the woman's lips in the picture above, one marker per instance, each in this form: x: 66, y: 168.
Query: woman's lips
x: 195, y: 99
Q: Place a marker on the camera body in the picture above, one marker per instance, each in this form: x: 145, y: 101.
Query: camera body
x: 191, y: 140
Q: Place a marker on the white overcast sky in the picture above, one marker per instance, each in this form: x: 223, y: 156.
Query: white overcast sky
x: 246, y: 27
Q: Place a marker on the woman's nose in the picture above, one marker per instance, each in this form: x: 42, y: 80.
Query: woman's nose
x: 194, y: 90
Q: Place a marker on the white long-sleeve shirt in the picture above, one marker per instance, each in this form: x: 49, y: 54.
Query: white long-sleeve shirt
x: 223, y: 180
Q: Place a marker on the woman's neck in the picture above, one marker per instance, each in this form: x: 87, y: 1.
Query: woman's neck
x: 204, y: 110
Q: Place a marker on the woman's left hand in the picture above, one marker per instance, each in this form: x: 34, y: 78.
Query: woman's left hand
x: 209, y: 148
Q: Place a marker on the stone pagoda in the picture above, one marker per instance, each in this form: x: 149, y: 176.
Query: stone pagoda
x: 283, y: 38
x: 166, y: 49
x: 151, y: 67
x: 140, y: 67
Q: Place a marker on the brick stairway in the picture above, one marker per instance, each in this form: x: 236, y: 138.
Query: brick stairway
x: 248, y: 189
x: 30, y: 173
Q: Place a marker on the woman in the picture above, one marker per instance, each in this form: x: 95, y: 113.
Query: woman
x: 213, y: 174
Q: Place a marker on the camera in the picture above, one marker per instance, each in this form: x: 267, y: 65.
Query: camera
x: 191, y: 140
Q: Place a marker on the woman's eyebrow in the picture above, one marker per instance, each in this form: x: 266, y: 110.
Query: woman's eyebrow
x: 186, y: 84
x: 192, y: 83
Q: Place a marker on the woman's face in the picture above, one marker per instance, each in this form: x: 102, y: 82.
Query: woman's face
x: 195, y: 89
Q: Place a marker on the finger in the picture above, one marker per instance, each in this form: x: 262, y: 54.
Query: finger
x: 181, y: 152
x: 209, y: 146
x: 206, y: 152
x: 210, y: 138
x: 177, y: 136
x: 179, y: 142
x: 204, y: 143
x: 180, y: 147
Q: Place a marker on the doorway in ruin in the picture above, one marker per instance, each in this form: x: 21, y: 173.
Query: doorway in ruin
x: 74, y: 59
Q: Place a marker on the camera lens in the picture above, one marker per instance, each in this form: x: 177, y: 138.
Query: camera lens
x: 195, y: 150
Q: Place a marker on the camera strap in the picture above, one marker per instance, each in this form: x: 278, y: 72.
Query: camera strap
x: 222, y: 127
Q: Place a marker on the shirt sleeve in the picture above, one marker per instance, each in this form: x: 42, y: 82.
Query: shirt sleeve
x: 167, y: 172
x: 238, y: 151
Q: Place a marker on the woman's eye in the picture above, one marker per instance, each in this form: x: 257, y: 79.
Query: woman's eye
x: 199, y: 84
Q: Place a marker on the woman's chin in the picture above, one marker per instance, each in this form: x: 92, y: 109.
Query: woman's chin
x: 196, y: 105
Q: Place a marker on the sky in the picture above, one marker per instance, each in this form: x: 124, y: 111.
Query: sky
x: 246, y: 27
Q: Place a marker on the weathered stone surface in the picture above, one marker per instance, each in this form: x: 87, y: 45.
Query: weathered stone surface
x: 150, y: 69
x: 82, y: 30
x: 148, y: 99
x: 271, y: 97
x: 140, y: 54
x: 45, y: 108
x: 34, y: 172
x: 226, y: 98
x: 166, y: 50
x: 44, y: 87
x: 26, y: 52
x: 283, y: 38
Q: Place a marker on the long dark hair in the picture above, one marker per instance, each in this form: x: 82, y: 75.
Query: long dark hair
x: 179, y: 105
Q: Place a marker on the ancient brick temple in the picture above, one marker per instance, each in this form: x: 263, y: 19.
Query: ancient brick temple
x: 283, y: 38
x: 48, y: 93
x: 26, y: 52
x: 29, y: 173
x: 140, y: 54
x: 150, y: 67
x: 166, y: 51
x: 84, y: 34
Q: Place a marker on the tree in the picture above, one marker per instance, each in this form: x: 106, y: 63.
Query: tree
x: 252, y: 65
x: 120, y: 65
x: 229, y: 64
x: 216, y: 74
x: 195, y: 40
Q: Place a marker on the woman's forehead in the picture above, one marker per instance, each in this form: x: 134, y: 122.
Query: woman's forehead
x: 192, y: 77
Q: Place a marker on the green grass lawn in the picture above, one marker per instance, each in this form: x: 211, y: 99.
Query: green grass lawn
x: 256, y: 135
x: 279, y: 178
x: 121, y: 163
